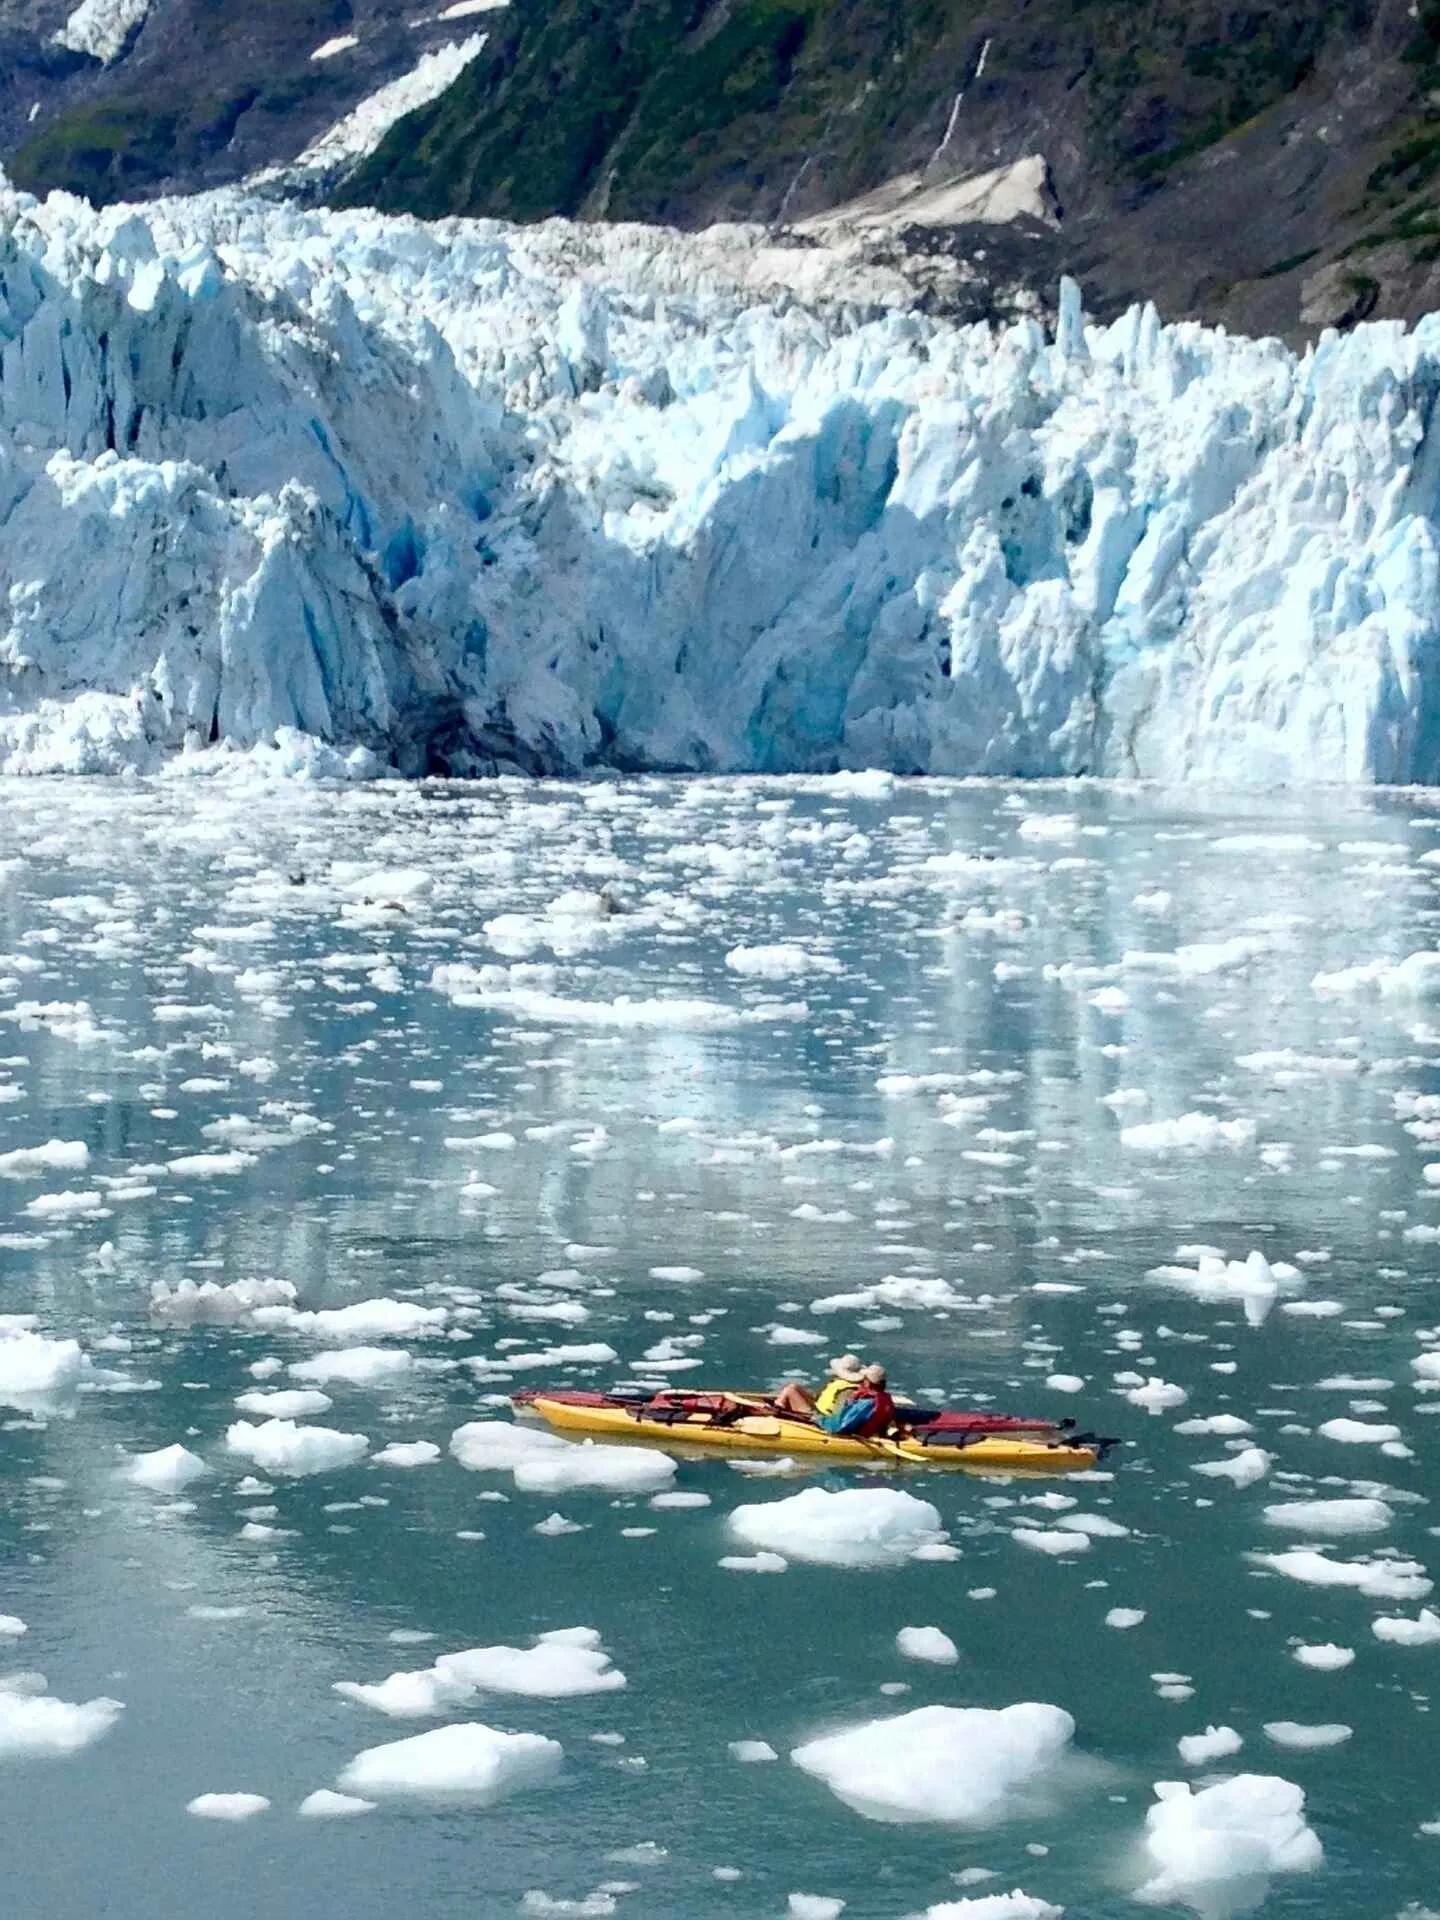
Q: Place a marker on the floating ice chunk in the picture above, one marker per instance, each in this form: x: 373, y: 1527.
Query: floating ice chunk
x: 927, y: 1643
x: 1421, y: 1632
x: 1254, y: 1284
x: 1244, y: 1468
x: 1051, y: 1540
x: 995, y: 1906
x: 227, y: 1806
x: 64, y: 1206
x: 1190, y: 1133
x: 1124, y: 1617
x: 56, y: 1156
x: 782, y: 962
x: 813, y: 1906
x: 752, y: 1752
x: 12, y: 1627
x: 1358, y: 1433
x: 166, y: 1471
x: 406, y: 1453
x: 754, y: 1563
x: 856, y: 1527
x: 1157, y: 1396
x: 1065, y: 1383
x: 324, y: 1804
x: 221, y: 1165
x: 561, y: 1664
x: 1215, y: 1849
x: 1227, y: 1425
x: 1290, y: 1733
x: 284, y: 1403
x: 282, y: 1446
x: 1379, y: 1579
x: 894, y: 1291
x: 544, y: 1463
x: 965, y: 1765
x: 1331, y: 1518
x: 1215, y: 1743
x: 36, y: 1372
x: 367, y: 1320
x: 468, y: 1762
x: 1325, y: 1658
x: 207, y: 1301
x: 356, y: 1367
x: 34, y: 1725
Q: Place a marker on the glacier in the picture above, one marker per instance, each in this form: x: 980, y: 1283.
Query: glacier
x: 350, y: 494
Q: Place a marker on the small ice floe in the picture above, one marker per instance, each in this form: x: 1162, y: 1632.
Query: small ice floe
x: 1290, y: 1733
x: 1215, y: 1743
x: 365, y: 1320
x: 227, y: 1806
x: 966, y: 1765
x: 1051, y: 1540
x: 1358, y: 1433
x: 12, y: 1627
x: 1190, y: 1133
x: 406, y: 1453
x: 1125, y: 1617
x: 1243, y: 1469
x: 165, y: 1471
x: 754, y: 1563
x: 1156, y: 1396
x: 813, y: 1906
x: 55, y: 1156
x: 1324, y: 1658
x: 561, y: 1665
x: 780, y: 962
x: 1216, y: 1849
x: 34, y: 1725
x: 356, y: 1367
x: 1423, y: 1631
x: 1330, y: 1518
x: 927, y: 1643
x: 543, y: 1463
x: 284, y: 1403
x: 752, y: 1752
x: 283, y: 1446
x: 38, y: 1374
x: 325, y: 1804
x: 856, y: 1527
x: 207, y: 1302
x: 1378, y: 1579
x: 468, y: 1763
x: 1253, y: 1284
x: 995, y: 1906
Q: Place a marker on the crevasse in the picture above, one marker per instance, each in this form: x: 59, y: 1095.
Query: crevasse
x: 465, y: 496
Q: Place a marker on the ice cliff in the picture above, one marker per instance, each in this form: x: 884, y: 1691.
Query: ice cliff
x: 468, y: 496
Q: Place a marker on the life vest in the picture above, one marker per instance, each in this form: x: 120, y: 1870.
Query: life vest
x: 828, y: 1400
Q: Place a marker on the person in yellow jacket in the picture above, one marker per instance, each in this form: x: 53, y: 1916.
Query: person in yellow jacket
x: 846, y: 1374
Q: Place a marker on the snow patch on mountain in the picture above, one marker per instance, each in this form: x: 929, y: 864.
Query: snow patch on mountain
x: 330, y: 157
x: 346, y: 491
x: 102, y: 28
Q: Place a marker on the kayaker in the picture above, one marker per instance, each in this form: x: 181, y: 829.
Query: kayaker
x: 864, y: 1410
x: 846, y: 1374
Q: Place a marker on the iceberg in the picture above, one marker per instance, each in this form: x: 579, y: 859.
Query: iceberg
x: 326, y: 494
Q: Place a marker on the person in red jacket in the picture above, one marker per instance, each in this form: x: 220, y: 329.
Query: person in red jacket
x: 881, y: 1417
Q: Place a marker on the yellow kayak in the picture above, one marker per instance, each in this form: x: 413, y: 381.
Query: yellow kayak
x: 746, y: 1423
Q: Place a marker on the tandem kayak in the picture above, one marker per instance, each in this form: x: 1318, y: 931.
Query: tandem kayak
x: 749, y: 1423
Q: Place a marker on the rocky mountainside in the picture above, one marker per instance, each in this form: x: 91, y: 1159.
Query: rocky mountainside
x: 1272, y: 168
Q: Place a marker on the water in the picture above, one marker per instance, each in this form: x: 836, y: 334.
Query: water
x: 234, y: 961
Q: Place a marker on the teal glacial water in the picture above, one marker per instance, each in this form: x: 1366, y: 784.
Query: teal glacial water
x: 878, y: 1065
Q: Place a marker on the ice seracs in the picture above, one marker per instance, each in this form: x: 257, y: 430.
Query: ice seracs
x: 904, y: 543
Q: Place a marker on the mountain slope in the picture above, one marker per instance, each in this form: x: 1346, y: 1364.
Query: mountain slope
x: 1217, y: 156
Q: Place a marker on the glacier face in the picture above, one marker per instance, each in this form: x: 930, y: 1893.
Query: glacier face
x: 465, y: 496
